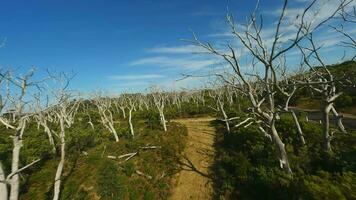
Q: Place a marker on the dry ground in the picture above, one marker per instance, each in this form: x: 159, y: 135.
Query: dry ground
x: 193, y: 181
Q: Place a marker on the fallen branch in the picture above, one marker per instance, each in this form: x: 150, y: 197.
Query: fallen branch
x: 131, y: 156
x: 112, y: 157
x: 150, y: 147
x: 143, y: 174
x: 128, y: 156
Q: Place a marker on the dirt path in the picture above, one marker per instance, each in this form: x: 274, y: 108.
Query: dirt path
x: 193, y: 181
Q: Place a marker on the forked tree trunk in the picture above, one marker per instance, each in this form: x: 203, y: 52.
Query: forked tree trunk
x: 3, y: 185
x: 57, y: 179
x: 282, y: 154
x: 15, y: 179
x: 123, y: 112
x: 299, y: 129
x: 50, y: 138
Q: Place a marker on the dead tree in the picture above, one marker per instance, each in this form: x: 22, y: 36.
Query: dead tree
x: 218, y: 95
x: 65, y: 112
x: 323, y: 82
x: 104, y: 105
x: 42, y: 117
x: 262, y: 82
x: 288, y: 87
x: 64, y: 109
x: 119, y: 104
x: 159, y: 100
x: 131, y: 105
x: 15, y: 114
x: 86, y: 108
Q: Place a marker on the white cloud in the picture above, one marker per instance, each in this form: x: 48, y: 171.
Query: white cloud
x: 176, y: 49
x: 192, y: 63
x: 136, y: 77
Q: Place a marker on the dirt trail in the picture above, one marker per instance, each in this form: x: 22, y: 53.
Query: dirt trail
x: 193, y: 181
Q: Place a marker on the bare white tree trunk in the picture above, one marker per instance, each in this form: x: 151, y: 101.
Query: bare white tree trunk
x: 130, y: 122
x: 163, y: 120
x: 299, y: 129
x: 123, y: 111
x: 50, y: 138
x: 225, y: 116
x: 326, y: 128
x: 57, y: 179
x: 113, y: 131
x: 3, y: 185
x: 282, y: 154
x: 15, y: 179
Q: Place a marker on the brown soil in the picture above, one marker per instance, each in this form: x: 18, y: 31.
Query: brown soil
x: 193, y: 181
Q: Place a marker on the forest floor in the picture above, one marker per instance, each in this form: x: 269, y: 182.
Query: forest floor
x: 194, y: 180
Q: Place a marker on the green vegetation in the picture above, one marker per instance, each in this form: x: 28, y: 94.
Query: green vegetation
x: 346, y: 102
x: 95, y: 175
x: 246, y: 167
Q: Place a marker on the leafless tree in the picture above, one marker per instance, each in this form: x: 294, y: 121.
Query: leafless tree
x: 15, y: 113
x: 159, y: 99
x: 262, y: 82
x: 104, y: 105
x: 219, y: 94
x: 86, y: 110
x: 42, y: 117
x: 288, y: 87
x: 131, y: 101
x: 323, y: 82
x: 119, y: 104
x: 64, y: 109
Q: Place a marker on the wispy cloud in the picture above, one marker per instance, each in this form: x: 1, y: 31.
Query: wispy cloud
x: 183, y: 49
x: 192, y: 63
x: 136, y: 77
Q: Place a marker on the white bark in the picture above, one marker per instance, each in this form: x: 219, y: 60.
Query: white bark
x: 106, y: 116
x: 163, y: 119
x: 338, y: 120
x: 283, y: 157
x: 299, y: 129
x: 15, y: 179
x: 3, y: 185
x: 57, y: 179
x: 123, y: 111
x: 130, y: 122
x: 326, y: 127
x: 113, y: 131
x: 221, y: 105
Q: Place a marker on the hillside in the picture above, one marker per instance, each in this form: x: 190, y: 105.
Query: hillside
x: 346, y: 102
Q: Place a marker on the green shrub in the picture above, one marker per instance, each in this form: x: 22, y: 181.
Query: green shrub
x: 111, y: 185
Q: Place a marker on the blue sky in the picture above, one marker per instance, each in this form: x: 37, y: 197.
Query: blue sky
x: 121, y: 45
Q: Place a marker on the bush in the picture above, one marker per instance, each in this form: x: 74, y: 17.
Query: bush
x: 246, y: 165
x: 344, y: 101
x: 111, y: 185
